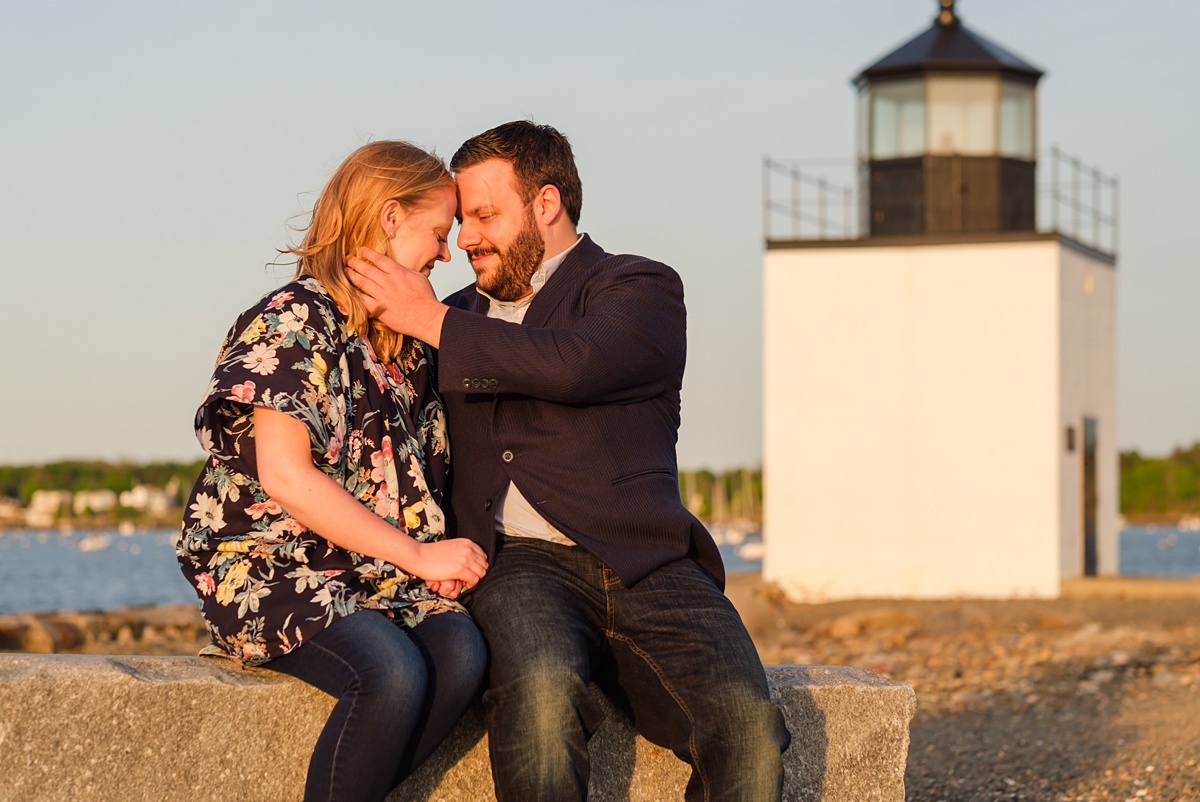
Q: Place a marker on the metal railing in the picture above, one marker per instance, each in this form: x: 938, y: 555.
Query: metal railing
x: 807, y: 206
x: 819, y: 199
x: 1078, y: 200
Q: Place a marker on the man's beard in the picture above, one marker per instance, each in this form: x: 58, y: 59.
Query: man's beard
x: 517, y: 264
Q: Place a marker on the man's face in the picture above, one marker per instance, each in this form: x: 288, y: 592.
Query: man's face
x: 498, y: 230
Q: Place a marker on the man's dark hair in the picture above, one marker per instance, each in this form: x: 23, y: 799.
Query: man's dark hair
x: 539, y: 155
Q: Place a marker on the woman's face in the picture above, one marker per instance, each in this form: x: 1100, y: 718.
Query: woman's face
x: 421, y: 233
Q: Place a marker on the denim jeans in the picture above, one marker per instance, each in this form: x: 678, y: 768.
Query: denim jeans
x: 671, y: 651
x: 399, y: 694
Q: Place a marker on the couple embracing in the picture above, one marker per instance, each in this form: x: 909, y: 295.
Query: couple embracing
x: 404, y: 495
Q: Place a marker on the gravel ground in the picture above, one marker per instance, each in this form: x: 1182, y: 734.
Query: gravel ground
x: 1094, y: 696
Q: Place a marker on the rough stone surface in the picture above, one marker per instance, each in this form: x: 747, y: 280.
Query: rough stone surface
x: 76, y: 727
x: 849, y: 732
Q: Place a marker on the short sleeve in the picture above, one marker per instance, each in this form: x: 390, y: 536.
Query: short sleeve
x: 285, y: 353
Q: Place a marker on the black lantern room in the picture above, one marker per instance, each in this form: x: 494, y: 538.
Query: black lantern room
x: 948, y: 135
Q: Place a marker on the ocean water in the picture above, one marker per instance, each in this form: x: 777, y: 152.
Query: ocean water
x: 1159, y: 551
x: 45, y: 570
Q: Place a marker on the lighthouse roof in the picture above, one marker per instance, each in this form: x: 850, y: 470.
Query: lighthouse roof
x: 948, y: 46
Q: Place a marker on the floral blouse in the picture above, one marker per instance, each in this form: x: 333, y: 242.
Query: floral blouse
x: 265, y: 581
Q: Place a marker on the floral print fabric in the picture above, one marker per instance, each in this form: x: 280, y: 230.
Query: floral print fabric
x: 265, y: 581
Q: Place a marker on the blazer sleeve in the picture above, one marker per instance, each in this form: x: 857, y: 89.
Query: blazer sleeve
x: 626, y: 342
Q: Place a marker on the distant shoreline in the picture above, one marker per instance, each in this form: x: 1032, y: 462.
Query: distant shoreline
x: 172, y: 521
x: 1182, y: 520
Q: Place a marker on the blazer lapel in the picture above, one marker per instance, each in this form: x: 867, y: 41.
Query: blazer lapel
x: 568, y: 274
x: 469, y: 300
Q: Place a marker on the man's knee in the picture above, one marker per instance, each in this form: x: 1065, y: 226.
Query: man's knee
x: 764, y: 729
x: 544, y: 700
x: 739, y: 743
x: 538, y: 727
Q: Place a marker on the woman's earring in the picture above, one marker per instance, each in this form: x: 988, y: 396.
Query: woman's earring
x: 392, y: 235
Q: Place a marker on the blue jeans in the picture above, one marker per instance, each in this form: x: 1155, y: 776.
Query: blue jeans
x: 399, y: 694
x: 671, y: 651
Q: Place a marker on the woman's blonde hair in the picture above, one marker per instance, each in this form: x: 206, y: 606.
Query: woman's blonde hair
x: 346, y: 217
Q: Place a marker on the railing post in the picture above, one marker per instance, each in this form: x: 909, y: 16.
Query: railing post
x: 821, y: 227
x: 795, y: 203
x: 847, y: 203
x: 766, y: 198
x: 1054, y: 159
x: 1115, y: 214
x: 1074, y: 192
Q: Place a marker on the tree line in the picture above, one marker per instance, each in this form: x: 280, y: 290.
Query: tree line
x: 21, y: 481
x: 731, y: 495
x: 1155, y: 488
x: 1151, y: 487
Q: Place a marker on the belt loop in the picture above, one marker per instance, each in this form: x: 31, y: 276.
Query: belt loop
x: 610, y: 577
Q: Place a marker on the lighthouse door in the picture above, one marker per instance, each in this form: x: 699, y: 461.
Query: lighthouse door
x: 1089, y: 497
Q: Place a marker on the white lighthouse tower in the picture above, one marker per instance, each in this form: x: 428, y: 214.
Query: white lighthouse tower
x: 940, y: 388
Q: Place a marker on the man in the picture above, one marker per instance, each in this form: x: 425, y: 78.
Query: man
x: 561, y: 369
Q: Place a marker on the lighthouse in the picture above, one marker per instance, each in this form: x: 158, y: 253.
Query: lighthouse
x: 939, y: 385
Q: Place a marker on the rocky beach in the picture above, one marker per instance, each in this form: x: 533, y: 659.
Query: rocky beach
x: 1091, y: 697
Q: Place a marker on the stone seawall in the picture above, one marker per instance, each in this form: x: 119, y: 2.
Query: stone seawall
x: 89, y: 727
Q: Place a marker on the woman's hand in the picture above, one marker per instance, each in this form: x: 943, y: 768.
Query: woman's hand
x: 450, y: 588
x: 287, y: 473
x: 446, y: 561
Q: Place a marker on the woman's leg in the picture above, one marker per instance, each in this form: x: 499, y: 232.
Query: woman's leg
x: 456, y: 659
x: 379, y: 677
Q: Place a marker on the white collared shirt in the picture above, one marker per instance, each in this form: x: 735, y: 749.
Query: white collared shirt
x: 515, y: 516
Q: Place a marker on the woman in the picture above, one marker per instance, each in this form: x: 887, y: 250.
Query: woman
x: 314, y: 536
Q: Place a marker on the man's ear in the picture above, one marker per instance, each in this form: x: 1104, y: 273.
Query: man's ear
x: 390, y: 217
x: 547, y: 205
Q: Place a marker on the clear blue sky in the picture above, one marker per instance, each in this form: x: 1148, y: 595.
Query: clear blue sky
x: 153, y: 153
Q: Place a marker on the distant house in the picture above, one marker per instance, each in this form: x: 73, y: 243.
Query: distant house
x: 45, y: 507
x: 147, y: 499
x: 10, y: 510
x: 94, y: 501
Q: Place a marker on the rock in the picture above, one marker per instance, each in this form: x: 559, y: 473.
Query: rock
x: 13, y: 633
x: 65, y: 635
x: 27, y: 633
x: 870, y: 622
x: 170, y: 629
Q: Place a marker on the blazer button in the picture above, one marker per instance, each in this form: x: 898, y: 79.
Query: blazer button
x: 487, y: 505
x: 507, y: 456
x: 466, y: 384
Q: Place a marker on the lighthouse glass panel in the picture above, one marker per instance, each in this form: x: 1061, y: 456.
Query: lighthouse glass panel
x: 898, y: 119
x: 862, y: 133
x: 962, y: 115
x: 1017, y: 103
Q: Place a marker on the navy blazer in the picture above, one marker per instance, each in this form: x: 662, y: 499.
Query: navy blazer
x: 579, y: 407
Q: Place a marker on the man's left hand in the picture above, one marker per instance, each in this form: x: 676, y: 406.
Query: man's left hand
x: 401, y: 299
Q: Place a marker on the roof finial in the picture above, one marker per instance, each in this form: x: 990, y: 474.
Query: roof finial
x: 946, y: 16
